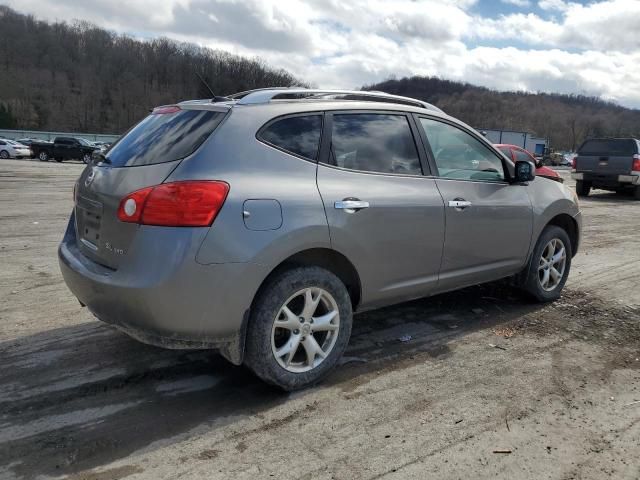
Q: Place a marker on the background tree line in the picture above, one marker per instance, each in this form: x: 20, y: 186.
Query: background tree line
x: 78, y: 77
x: 565, y: 119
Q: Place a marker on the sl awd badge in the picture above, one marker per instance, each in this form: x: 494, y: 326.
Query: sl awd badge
x: 112, y: 249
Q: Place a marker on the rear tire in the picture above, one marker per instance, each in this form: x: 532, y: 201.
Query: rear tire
x: 4, y: 154
x: 298, y: 312
x: 549, y: 266
x: 59, y: 160
x: 583, y: 188
x: 636, y: 193
x: 86, y: 159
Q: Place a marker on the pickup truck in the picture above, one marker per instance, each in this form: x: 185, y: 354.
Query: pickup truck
x: 609, y: 164
x: 63, y: 148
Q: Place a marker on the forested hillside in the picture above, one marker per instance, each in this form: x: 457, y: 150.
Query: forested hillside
x: 78, y: 77
x: 565, y: 119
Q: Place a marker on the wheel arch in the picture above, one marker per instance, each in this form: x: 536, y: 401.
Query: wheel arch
x: 569, y: 225
x: 326, y: 258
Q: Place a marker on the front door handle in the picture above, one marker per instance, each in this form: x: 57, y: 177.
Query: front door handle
x: 351, y: 205
x: 459, y: 203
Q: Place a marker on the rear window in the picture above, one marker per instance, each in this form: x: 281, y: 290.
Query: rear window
x: 164, y: 137
x: 608, y: 147
x: 299, y: 135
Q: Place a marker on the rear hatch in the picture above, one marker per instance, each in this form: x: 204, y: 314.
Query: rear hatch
x: 607, y: 156
x: 143, y: 157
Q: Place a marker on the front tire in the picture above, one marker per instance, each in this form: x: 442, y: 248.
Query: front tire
x: 549, y: 266
x: 43, y: 156
x: 86, y: 159
x: 583, y: 188
x: 299, y: 327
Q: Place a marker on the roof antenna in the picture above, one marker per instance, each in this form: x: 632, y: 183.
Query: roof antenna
x: 214, y: 97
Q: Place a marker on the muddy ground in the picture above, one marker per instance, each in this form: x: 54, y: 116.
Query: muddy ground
x: 485, y: 372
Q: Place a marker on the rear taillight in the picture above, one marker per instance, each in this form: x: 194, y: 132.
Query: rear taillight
x: 574, y: 162
x: 636, y: 163
x: 177, y: 204
x: 130, y: 208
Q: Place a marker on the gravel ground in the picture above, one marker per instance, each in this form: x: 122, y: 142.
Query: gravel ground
x: 490, y: 385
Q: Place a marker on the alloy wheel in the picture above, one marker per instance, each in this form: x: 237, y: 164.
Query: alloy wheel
x: 305, y: 330
x: 552, y: 264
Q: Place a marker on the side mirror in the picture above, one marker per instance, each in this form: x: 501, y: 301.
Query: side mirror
x: 524, y: 172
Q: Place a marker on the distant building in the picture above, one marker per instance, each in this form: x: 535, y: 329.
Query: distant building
x: 535, y: 145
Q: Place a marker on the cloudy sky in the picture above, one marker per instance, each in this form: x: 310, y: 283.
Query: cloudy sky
x: 587, y: 47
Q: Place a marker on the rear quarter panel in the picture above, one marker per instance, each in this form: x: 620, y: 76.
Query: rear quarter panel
x: 256, y: 171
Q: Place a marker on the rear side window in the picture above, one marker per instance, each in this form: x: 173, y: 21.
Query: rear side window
x: 299, y: 135
x: 164, y: 136
x: 373, y: 142
x: 609, y: 147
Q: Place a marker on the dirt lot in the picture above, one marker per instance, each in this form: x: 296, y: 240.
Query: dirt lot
x: 484, y: 372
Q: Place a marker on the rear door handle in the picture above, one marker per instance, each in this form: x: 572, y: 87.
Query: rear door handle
x: 351, y: 205
x: 459, y: 204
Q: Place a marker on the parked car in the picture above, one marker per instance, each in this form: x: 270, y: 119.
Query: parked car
x: 13, y: 149
x: 609, y: 164
x: 256, y: 225
x: 27, y: 141
x: 63, y: 148
x: 515, y: 153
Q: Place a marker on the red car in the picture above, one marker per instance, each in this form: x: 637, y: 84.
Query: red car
x: 517, y: 153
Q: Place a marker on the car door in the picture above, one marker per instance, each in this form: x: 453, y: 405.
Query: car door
x: 384, y: 215
x: 488, y: 220
x: 75, y: 149
x: 61, y: 148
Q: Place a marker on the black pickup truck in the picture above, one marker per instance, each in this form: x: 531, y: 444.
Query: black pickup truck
x: 63, y: 148
x: 608, y: 163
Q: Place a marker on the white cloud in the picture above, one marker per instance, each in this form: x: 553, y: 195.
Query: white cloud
x: 591, y: 49
x: 517, y: 3
x: 610, y: 25
x: 553, y: 5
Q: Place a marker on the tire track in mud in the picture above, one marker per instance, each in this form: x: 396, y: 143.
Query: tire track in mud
x: 86, y: 394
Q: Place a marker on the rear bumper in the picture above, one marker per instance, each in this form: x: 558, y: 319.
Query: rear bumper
x: 607, y: 180
x: 161, y: 296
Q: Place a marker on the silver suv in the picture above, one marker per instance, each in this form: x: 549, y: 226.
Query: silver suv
x: 257, y: 224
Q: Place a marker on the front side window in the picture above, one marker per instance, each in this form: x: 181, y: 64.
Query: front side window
x: 458, y: 155
x: 299, y: 135
x: 374, y: 142
x: 507, y: 152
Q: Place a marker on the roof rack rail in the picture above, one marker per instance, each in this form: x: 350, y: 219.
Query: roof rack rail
x: 265, y: 95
